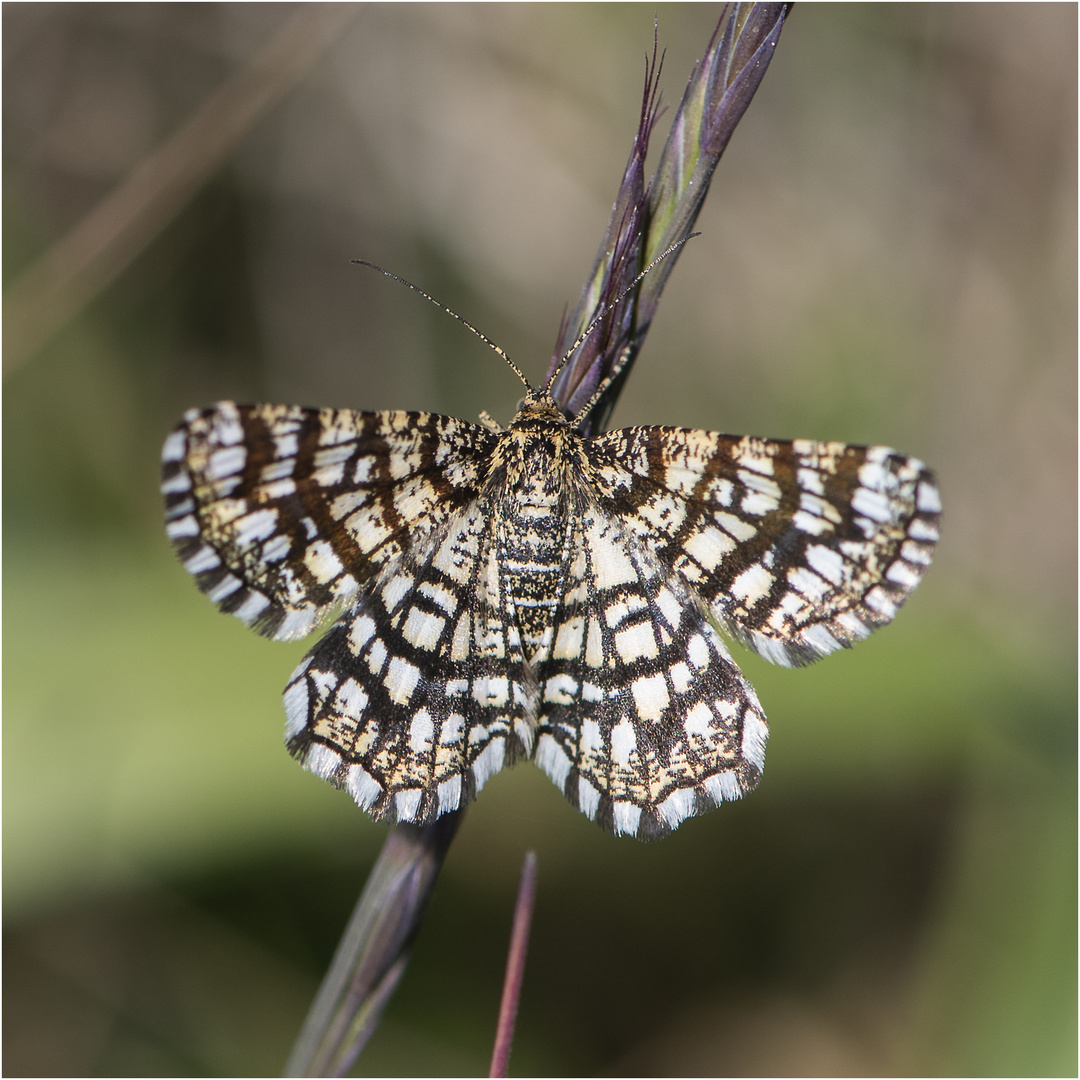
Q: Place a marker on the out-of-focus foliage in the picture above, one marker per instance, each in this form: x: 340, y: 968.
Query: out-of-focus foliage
x: 889, y: 255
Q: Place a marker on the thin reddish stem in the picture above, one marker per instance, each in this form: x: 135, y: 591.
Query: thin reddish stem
x: 515, y: 967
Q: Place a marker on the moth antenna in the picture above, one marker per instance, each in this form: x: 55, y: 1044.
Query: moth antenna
x: 450, y: 311
x: 589, y: 329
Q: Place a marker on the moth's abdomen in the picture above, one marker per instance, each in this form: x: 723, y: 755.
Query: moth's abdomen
x: 532, y: 544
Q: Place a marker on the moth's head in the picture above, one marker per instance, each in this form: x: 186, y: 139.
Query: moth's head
x: 538, y: 410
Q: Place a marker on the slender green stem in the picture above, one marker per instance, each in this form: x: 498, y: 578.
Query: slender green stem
x: 374, y: 949
x: 648, y: 219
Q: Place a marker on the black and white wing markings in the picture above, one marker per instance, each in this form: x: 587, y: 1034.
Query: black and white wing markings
x: 644, y: 718
x: 419, y: 693
x: 528, y: 592
x: 798, y: 548
x: 282, y: 513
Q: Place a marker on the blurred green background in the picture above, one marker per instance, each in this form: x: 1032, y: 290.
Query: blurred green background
x: 889, y: 255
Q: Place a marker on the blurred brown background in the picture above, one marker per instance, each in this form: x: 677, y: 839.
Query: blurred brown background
x: 889, y: 255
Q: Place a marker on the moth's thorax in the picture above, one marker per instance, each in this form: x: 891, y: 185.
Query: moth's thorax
x: 537, y: 469
x: 536, y: 457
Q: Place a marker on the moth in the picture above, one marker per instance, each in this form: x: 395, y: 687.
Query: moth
x: 496, y: 593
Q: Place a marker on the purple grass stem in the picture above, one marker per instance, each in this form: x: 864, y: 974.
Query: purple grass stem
x: 647, y: 219
x: 515, y: 967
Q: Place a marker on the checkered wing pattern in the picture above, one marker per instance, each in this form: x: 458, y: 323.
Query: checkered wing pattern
x: 797, y: 548
x: 283, y: 513
x: 528, y: 592
x: 644, y: 718
x: 419, y: 694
